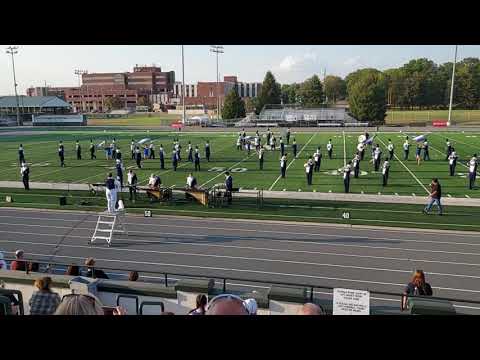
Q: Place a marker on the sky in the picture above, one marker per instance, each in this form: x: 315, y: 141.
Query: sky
x: 55, y: 65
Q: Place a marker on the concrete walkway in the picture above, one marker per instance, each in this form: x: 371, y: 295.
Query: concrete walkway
x: 288, y: 195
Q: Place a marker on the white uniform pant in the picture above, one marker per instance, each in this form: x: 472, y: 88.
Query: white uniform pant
x: 111, y: 199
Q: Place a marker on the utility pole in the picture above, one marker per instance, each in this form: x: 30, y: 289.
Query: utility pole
x: 217, y: 49
x: 79, y: 73
x: 449, y: 122
x: 12, y: 50
x: 183, y: 89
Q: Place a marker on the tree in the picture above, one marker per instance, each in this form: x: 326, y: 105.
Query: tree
x: 335, y: 88
x: 233, y: 107
x: 270, y: 92
x: 114, y: 103
x: 310, y: 93
x: 367, y: 96
x: 250, y: 105
x: 289, y: 93
x: 467, y: 80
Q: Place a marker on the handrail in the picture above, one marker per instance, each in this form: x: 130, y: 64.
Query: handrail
x: 225, y: 278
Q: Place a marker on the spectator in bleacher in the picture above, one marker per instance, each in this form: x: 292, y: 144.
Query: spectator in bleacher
x: 44, y: 301
x: 33, y: 266
x: 92, y: 272
x: 73, y: 270
x: 3, y: 264
x: 133, y: 276
x: 18, y: 263
x: 251, y: 305
x: 79, y: 304
x: 15, y: 304
x: 201, y: 303
x: 227, y: 304
x: 310, y: 309
x: 417, y: 287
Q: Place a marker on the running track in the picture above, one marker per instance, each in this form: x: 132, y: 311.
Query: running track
x: 329, y: 255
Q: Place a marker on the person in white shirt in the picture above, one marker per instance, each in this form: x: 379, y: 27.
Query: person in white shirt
x: 361, y: 150
x: 377, y: 153
x: 272, y: 143
x: 309, y: 170
x: 346, y: 176
x: 25, y: 172
x: 132, y: 181
x: 111, y: 193
x: 330, y: 148
x: 452, y: 162
x: 283, y: 165
x: 317, y: 156
x: 260, y: 157
x: 390, y: 148
x: 239, y: 143
x: 385, y: 172
x: 406, y: 149
x: 154, y: 182
x: 472, y: 171
x: 191, y: 182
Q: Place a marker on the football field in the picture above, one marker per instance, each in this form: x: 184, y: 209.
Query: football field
x: 406, y: 177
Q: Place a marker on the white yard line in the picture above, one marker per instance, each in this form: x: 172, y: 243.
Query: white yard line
x: 344, y: 150
x: 411, y: 173
x: 231, y: 167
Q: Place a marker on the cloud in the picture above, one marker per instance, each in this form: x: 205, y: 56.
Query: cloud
x: 295, y: 68
x: 353, y: 61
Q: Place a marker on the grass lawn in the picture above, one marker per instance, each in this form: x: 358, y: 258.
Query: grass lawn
x: 159, y: 119
x: 406, y: 177
x: 406, y: 117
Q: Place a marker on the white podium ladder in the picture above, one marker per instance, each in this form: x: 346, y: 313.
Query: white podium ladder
x: 107, y: 225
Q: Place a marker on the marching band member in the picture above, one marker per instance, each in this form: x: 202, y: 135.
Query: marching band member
x: 108, y: 151
x: 406, y: 149
x: 154, y: 182
x: 239, y: 143
x: 377, y: 153
x: 120, y: 168
x: 152, y: 151
x: 361, y: 150
x: 282, y: 147
x: 452, y: 161
x: 309, y: 170
x: 191, y: 181
x: 260, y: 157
x: 119, y: 154
x: 472, y: 171
x: 21, y: 155
x: 138, y: 156
x: 179, y: 150
x: 318, y: 159
x: 449, y: 149
x: 61, y: 154
x: 111, y: 193
x: 256, y: 142
x: 356, y: 165
x: 385, y: 171
x: 113, y: 146
x: 426, y: 154
x: 273, y: 142
x: 248, y: 146
x: 190, y: 152
x: 25, y: 172
x: 132, y: 181
x: 390, y: 148
x: 418, y: 152
x: 174, y: 160
x: 294, y: 148
x: 132, y: 149
x: 78, y: 149
x: 92, y: 150
x: 288, y: 136
x: 228, y: 187
x: 197, y: 159
x: 346, y: 176
x: 283, y: 165
x: 269, y: 135
x: 161, y: 155
x: 207, y: 151
x: 330, y: 148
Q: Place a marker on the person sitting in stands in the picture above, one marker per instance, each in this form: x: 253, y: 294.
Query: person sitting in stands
x: 94, y: 273
x: 310, y: 309
x: 81, y: 304
x: 73, y: 270
x: 133, y: 276
x: 201, y: 303
x: 44, y: 301
x: 417, y: 287
x: 18, y: 263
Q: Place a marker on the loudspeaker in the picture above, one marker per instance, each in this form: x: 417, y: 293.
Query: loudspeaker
x: 63, y: 200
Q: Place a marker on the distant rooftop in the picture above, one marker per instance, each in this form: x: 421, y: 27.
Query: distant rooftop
x: 33, y: 101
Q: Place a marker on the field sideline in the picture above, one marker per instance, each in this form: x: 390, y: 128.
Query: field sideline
x: 406, y: 178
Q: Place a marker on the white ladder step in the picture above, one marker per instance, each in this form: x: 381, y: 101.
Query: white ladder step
x: 106, y: 222
x: 101, y: 237
x: 104, y: 230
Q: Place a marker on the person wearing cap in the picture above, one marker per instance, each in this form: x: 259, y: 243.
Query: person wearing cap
x: 377, y: 156
x: 283, y: 165
x: 346, y: 176
x: 385, y: 172
x: 282, y: 147
x: 25, y: 172
x: 18, y: 263
x: 426, y: 154
x: 261, y: 157
x: 309, y: 170
x: 472, y: 171
x: 175, y: 157
x: 317, y: 156
x: 3, y: 264
x: 251, y: 306
x: 118, y: 154
x: 406, y: 149
x: 330, y: 148
x: 132, y: 181
x: 449, y: 149
x: 288, y: 136
x: 356, y: 165
x: 228, y: 187
x: 190, y: 152
x: 390, y: 149
x: 110, y: 193
x: 78, y: 149
x: 132, y: 149
x: 92, y: 272
x: 197, y: 159
x: 452, y: 161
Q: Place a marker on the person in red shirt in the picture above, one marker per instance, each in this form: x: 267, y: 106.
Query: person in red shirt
x: 18, y: 263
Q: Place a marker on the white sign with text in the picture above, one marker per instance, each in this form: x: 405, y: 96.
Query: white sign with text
x: 351, y: 302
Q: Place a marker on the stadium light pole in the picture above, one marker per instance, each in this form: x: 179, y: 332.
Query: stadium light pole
x: 12, y: 50
x: 183, y: 88
x: 449, y: 122
x: 217, y: 49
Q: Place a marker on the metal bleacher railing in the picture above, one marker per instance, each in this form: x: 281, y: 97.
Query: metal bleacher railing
x: 170, y: 277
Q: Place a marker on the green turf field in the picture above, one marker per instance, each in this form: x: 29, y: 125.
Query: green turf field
x: 406, y: 117
x: 142, y: 120
x: 406, y: 177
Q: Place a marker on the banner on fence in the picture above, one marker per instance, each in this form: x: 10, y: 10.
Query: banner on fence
x: 439, y: 123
